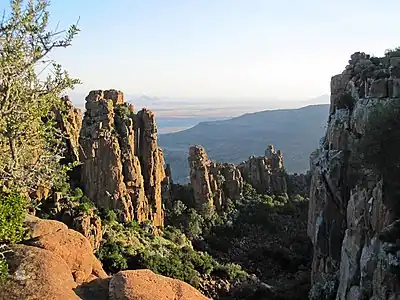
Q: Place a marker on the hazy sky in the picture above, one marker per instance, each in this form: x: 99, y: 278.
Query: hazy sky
x: 221, y: 48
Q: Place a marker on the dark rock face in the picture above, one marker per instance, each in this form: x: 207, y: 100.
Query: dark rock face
x: 344, y: 219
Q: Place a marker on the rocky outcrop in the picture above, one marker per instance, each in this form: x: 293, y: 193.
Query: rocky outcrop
x: 152, y: 162
x: 57, y: 263
x: 347, y: 218
x: 145, y: 285
x: 299, y: 184
x: 51, y: 264
x: 69, y: 244
x: 212, y: 183
x: 123, y: 168
x: 265, y: 173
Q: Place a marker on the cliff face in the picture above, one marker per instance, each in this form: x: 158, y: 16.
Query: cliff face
x: 212, y: 183
x: 265, y: 173
x: 123, y: 168
x: 346, y: 219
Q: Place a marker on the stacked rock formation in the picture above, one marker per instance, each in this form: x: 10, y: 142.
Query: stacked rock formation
x: 123, y: 167
x: 212, y: 183
x: 265, y: 173
x: 346, y: 221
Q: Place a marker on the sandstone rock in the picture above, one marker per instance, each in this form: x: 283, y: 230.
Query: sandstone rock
x: 102, y: 174
x: 123, y: 168
x: 37, y: 274
x: 265, y: 173
x: 300, y: 184
x: 152, y: 162
x: 212, y: 183
x: 145, y: 285
x: 90, y: 226
x: 199, y: 166
x: 68, y: 244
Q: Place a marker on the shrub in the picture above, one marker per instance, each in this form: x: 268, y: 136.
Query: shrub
x: 12, y: 215
x: 112, y: 255
x: 298, y: 198
x: 325, y: 289
x: 379, y: 148
x: 231, y: 271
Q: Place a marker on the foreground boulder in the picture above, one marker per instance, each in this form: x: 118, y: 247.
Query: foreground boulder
x: 145, y: 285
x: 58, y: 263
x: 37, y: 274
x: 70, y: 245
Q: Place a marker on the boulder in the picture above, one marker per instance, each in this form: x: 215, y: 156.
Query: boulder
x: 37, y: 274
x: 68, y: 244
x: 145, y: 285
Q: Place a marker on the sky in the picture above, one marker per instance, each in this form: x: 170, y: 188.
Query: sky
x: 220, y: 49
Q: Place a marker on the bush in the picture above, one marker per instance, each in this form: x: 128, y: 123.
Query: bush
x: 379, y: 148
x: 231, y: 271
x: 112, y: 256
x: 298, y: 198
x: 325, y: 289
x: 12, y: 215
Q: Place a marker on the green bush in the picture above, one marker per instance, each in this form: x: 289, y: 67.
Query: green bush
x: 231, y: 271
x: 112, y: 255
x: 298, y: 198
x: 12, y: 215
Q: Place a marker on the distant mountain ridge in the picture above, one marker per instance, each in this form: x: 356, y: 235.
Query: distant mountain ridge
x: 296, y: 132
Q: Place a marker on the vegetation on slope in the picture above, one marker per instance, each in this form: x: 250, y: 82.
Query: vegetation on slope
x: 262, y: 235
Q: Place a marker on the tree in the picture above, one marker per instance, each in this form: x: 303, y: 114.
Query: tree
x: 30, y: 145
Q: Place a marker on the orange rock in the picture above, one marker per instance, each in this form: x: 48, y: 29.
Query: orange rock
x: 70, y: 245
x: 145, y: 285
x: 37, y: 274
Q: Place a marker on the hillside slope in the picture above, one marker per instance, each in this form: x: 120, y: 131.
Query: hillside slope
x: 296, y: 132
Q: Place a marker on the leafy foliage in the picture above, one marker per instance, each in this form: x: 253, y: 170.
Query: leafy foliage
x: 30, y: 146
x: 379, y: 146
x: 132, y: 247
x: 12, y: 214
x: 325, y: 289
x: 378, y: 149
